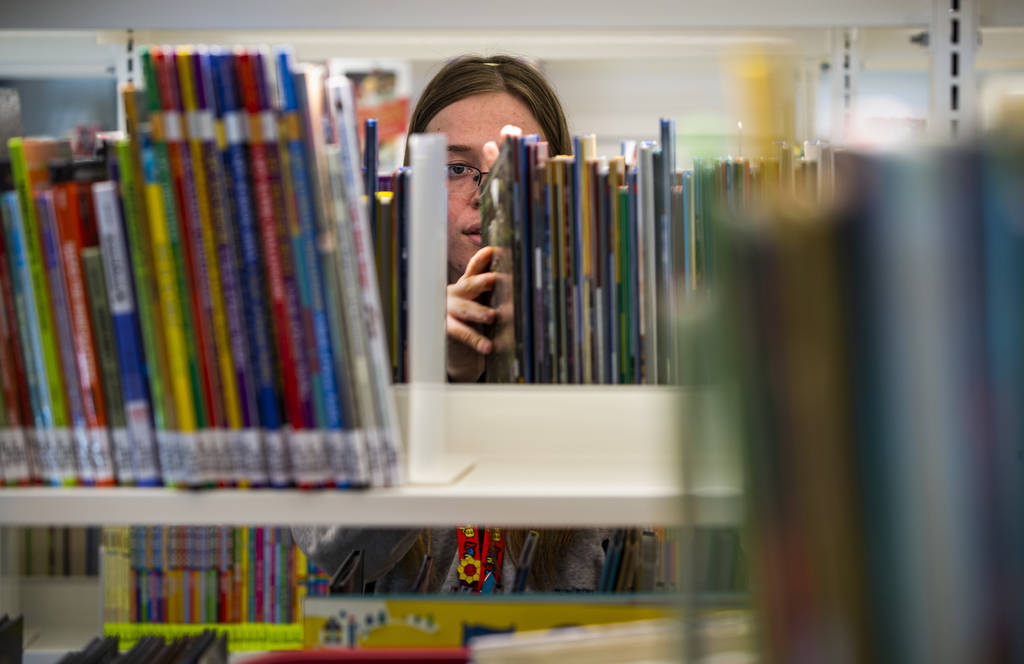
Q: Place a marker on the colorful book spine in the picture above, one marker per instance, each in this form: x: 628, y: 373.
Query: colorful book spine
x: 14, y: 445
x: 98, y: 457
x: 382, y: 433
x: 346, y: 445
x: 242, y: 410
x: 55, y: 448
x: 107, y: 362
x: 137, y: 229
x: 54, y: 268
x: 171, y: 275
x: 121, y: 294
x: 257, y: 317
x: 197, y: 91
x: 309, y: 280
x: 193, y: 276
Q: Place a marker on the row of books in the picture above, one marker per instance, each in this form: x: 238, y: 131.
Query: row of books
x: 206, y: 646
x: 199, y: 306
x: 879, y: 349
x: 598, y: 256
x: 56, y: 551
x: 202, y: 575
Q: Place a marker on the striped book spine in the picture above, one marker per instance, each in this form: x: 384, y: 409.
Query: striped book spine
x: 182, y: 468
x: 309, y: 453
x: 54, y: 268
x: 117, y: 271
x: 136, y: 222
x: 214, y: 219
x: 264, y: 162
x: 346, y: 446
x: 53, y: 438
x: 14, y: 450
x: 194, y: 286
x: 106, y: 358
x: 99, y: 456
x: 265, y: 442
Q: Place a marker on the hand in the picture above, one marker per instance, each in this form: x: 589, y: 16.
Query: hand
x: 466, y: 345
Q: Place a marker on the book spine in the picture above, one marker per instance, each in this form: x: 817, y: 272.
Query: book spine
x: 384, y: 434
x: 259, y: 564
x: 106, y: 357
x: 27, y: 313
x: 315, y: 335
x: 78, y: 452
x: 222, y: 282
x: 196, y: 228
x: 175, y: 301
x: 252, y: 347
x: 137, y: 227
x: 276, y: 243
x: 55, y: 447
x: 14, y: 450
x: 117, y: 271
x: 97, y: 457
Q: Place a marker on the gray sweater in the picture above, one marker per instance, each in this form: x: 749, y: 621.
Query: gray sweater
x: 383, y: 551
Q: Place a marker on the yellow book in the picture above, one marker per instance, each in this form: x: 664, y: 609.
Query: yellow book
x: 588, y: 151
x: 206, y: 169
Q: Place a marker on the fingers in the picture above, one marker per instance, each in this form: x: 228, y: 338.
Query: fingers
x: 480, y: 261
x: 466, y: 335
x: 511, y: 130
x: 470, y: 311
x: 473, y: 286
x: 491, y: 152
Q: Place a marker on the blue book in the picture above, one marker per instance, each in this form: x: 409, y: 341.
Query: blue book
x: 121, y: 294
x: 257, y: 317
x: 28, y: 329
x: 78, y: 452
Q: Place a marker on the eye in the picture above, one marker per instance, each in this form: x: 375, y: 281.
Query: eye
x: 456, y: 171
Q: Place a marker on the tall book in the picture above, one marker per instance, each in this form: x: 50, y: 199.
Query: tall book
x: 346, y: 441
x: 261, y: 393
x: 14, y: 445
x: 98, y: 456
x: 117, y: 270
x: 229, y: 321
x: 29, y: 159
x: 137, y: 229
x: 54, y: 268
x: 194, y: 275
x: 382, y: 435
x: 176, y: 312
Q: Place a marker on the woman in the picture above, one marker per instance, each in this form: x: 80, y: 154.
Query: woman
x: 470, y: 100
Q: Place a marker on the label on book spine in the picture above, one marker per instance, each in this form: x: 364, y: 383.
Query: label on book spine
x: 226, y: 469
x: 309, y: 461
x: 64, y: 454
x: 234, y: 127
x: 165, y: 443
x: 80, y: 436
x: 122, y: 441
x: 14, y: 454
x: 100, y: 456
x: 253, y: 459
x: 188, y: 445
x: 374, y: 449
x: 172, y: 126
x: 207, y: 457
x: 277, y: 457
x: 144, y: 444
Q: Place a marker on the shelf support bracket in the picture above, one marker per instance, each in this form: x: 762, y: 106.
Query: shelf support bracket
x: 952, y: 42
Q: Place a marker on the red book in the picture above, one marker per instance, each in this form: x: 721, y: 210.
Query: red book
x: 187, y: 203
x: 258, y: 574
x: 66, y: 201
x: 13, y: 381
x: 270, y: 214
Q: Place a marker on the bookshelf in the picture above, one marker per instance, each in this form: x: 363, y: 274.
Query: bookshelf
x: 540, y: 456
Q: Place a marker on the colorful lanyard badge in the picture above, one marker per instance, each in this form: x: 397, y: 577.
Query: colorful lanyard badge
x: 480, y: 554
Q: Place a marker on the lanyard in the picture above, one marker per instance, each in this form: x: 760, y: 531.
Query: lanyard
x: 480, y: 555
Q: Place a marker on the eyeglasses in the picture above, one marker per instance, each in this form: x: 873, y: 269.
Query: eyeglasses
x: 463, y: 179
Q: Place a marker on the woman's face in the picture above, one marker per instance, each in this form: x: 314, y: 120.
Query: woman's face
x: 469, y: 123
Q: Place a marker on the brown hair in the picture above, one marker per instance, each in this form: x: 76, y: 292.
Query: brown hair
x: 473, y: 75
x: 458, y: 79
